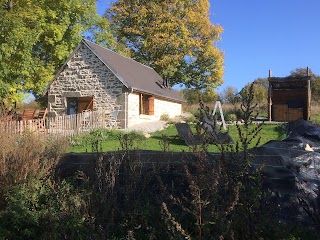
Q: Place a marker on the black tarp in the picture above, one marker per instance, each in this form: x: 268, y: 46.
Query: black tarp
x: 292, y: 173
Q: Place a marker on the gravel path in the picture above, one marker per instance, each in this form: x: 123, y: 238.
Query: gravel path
x: 148, y: 127
x: 153, y: 126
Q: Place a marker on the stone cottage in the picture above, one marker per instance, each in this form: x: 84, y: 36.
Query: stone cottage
x: 97, y: 78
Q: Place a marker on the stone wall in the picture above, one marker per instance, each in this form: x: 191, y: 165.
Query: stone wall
x: 85, y: 75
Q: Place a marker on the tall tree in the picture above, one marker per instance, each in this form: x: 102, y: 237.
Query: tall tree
x: 175, y: 37
x: 193, y: 96
x: 301, y: 72
x: 229, y: 95
x: 260, y: 90
x: 315, y: 81
x: 36, y: 37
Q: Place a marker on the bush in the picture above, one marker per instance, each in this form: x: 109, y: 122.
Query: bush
x: 191, y: 119
x: 43, y: 209
x: 165, y: 117
x: 32, y: 204
x: 231, y: 117
x: 96, y: 137
x: 127, y: 140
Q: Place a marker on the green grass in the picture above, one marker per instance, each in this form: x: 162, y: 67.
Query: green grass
x: 176, y: 144
x: 315, y: 118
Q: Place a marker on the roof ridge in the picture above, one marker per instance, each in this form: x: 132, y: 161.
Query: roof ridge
x: 88, y: 41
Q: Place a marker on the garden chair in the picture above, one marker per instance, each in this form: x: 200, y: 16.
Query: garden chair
x: 184, y: 131
x: 42, y: 113
x: 41, y: 117
x: 113, y: 119
x: 86, y: 119
x: 7, y: 118
x: 212, y: 130
x: 28, y: 114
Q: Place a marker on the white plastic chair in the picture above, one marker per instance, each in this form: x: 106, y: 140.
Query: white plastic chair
x: 86, y: 119
x: 113, y: 120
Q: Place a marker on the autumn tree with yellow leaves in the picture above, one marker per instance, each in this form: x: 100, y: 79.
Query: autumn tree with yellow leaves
x: 175, y: 37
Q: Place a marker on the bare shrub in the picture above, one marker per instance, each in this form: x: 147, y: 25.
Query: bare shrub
x: 26, y: 155
x: 165, y: 117
x: 218, y: 192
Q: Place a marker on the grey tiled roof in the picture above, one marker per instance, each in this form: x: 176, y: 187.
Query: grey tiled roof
x: 133, y: 74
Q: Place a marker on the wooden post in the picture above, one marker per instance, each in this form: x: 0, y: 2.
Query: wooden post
x: 309, y: 101
x: 141, y: 104
x: 270, y: 98
x: 308, y: 96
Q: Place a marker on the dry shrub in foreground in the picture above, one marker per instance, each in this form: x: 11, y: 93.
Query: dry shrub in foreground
x: 26, y: 155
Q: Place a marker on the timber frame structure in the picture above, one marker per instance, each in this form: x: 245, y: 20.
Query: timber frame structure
x: 289, y: 98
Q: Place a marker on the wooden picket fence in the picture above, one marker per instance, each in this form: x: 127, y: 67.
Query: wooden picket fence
x: 67, y: 125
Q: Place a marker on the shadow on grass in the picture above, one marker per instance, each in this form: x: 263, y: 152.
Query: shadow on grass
x: 171, y: 140
x: 281, y: 130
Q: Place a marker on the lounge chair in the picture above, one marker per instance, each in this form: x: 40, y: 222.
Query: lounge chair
x: 212, y: 130
x: 186, y: 134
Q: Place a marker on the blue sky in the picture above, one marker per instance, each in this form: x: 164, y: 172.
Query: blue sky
x: 279, y: 35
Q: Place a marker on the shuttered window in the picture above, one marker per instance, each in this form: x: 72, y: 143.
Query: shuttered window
x: 151, y: 105
x: 79, y: 104
x: 85, y: 103
x: 146, y: 104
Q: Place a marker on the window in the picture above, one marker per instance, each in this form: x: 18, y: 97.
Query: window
x: 72, y: 106
x: 146, y: 104
x: 79, y: 104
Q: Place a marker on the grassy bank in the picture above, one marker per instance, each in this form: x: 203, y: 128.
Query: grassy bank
x: 111, y: 140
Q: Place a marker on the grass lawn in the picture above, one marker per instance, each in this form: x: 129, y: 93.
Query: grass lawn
x: 176, y: 144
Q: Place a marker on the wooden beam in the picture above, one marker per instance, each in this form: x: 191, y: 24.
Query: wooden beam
x: 309, y: 95
x: 270, y: 98
x: 141, y: 103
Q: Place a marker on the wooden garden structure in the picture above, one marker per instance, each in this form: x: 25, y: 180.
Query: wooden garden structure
x: 289, y: 98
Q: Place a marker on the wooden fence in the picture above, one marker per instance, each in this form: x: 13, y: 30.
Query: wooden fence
x: 67, y: 125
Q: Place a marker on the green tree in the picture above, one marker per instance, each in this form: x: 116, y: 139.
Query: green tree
x: 263, y: 82
x: 192, y: 96
x: 301, y: 72
x: 229, y: 95
x: 37, y: 36
x: 260, y: 87
x: 315, y: 81
x: 260, y: 90
x: 175, y: 37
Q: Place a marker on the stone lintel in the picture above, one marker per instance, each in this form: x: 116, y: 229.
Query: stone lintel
x: 71, y: 94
